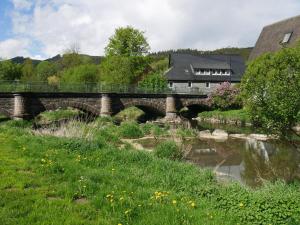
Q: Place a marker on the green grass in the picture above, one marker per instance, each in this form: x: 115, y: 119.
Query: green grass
x: 51, y: 180
x: 50, y: 116
x: 129, y: 114
x: 239, y: 115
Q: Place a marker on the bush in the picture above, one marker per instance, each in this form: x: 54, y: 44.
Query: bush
x: 169, y: 150
x: 84, y: 73
x: 270, y: 90
x: 130, y: 130
x: 153, y: 129
x: 154, y: 82
x: 225, y: 97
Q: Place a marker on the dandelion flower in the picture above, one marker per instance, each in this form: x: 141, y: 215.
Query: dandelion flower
x: 174, y: 202
x: 241, y: 204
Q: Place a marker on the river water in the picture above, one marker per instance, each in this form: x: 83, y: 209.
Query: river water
x: 248, y: 161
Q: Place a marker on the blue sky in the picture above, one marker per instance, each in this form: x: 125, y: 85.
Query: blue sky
x: 5, y: 21
x: 45, y: 28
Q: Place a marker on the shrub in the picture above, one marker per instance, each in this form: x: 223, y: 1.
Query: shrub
x: 169, y: 150
x: 270, y: 90
x: 225, y: 97
x: 153, y: 129
x: 130, y: 130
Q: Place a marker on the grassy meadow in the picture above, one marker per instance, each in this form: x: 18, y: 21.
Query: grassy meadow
x: 93, y: 177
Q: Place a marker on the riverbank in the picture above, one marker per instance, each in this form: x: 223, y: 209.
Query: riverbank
x: 234, y: 117
x: 100, y: 180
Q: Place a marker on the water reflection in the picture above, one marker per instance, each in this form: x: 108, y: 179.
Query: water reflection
x: 249, y: 161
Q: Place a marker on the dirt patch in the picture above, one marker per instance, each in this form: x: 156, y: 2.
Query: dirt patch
x: 81, y: 201
x: 53, y: 198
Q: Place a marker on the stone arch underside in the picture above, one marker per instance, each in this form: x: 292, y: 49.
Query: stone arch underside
x: 5, y: 113
x: 149, y: 107
x: 69, y: 104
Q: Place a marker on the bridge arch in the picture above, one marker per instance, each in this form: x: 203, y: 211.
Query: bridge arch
x: 149, y: 107
x: 5, y: 113
x: 194, y: 106
x: 69, y: 104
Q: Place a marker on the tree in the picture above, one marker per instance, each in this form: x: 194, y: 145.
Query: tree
x: 154, y: 81
x: 28, y: 73
x: 123, y: 70
x: 116, y: 70
x: 270, y: 90
x: 44, y: 70
x: 82, y: 74
x: 10, y: 71
x: 127, y: 41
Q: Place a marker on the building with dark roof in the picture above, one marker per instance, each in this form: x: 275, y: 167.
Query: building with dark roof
x: 277, y: 35
x: 203, y: 72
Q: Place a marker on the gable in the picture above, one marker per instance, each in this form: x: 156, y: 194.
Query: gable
x: 272, y: 37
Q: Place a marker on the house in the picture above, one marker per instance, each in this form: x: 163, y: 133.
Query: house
x: 276, y: 36
x: 203, y: 72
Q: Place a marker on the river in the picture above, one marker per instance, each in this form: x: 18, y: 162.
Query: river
x: 248, y: 161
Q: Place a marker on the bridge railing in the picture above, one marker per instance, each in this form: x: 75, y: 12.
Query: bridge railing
x: 44, y: 87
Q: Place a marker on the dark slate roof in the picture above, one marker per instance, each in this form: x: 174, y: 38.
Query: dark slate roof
x: 181, y: 67
x: 272, y: 35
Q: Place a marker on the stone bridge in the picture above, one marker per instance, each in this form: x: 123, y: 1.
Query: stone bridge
x: 28, y: 105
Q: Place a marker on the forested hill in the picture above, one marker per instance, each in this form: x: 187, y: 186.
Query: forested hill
x: 57, y: 58
x: 245, y: 52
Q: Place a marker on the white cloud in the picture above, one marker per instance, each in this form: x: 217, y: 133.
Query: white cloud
x: 169, y: 24
x: 14, y: 47
x: 22, y: 4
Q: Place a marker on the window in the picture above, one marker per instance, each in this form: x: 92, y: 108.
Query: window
x: 190, y: 84
x: 170, y: 84
x: 207, y: 84
x: 286, y: 38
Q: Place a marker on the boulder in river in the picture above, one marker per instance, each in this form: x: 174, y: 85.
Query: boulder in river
x: 205, y: 134
x: 220, y: 134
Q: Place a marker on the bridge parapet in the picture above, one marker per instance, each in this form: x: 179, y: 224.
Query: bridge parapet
x: 44, y: 87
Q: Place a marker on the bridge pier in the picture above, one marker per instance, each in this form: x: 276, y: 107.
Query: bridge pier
x: 171, y: 109
x: 106, y: 105
x: 20, y: 107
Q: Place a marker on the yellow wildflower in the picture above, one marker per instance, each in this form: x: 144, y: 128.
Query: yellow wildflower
x: 241, y: 205
x: 174, y: 202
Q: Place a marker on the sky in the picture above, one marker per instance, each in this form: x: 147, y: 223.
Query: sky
x: 44, y: 28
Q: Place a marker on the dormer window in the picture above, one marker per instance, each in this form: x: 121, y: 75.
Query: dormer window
x: 202, y: 71
x: 287, y: 38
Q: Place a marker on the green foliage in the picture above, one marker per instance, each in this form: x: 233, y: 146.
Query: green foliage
x: 159, y: 64
x: 10, y: 71
x: 169, y: 150
x: 28, y: 72
x: 127, y: 41
x: 129, y: 114
x: 225, y: 97
x: 69, y: 180
x: 236, y: 115
x: 130, y: 130
x: 44, y: 70
x: 270, y: 89
x: 50, y: 116
x: 272, y: 204
x: 88, y: 73
x: 155, y: 81
x: 70, y: 60
x: 153, y: 129
x: 122, y: 70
